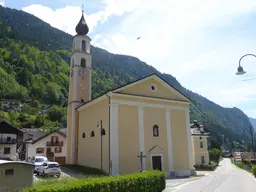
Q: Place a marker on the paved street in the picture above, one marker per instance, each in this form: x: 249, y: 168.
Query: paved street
x: 226, y: 177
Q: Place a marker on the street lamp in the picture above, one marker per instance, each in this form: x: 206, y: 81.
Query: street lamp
x: 240, y: 71
x: 102, y: 132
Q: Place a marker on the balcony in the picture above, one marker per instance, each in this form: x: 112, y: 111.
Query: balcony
x: 7, y: 141
x: 54, y: 143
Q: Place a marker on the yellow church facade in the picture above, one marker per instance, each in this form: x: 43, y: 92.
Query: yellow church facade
x: 139, y: 126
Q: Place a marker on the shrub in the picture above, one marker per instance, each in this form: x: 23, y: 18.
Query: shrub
x: 212, y: 165
x: 254, y: 170
x: 215, y: 155
x: 149, y: 181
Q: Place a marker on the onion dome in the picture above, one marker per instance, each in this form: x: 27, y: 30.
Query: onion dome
x: 82, y: 27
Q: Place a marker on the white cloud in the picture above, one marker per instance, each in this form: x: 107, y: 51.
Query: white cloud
x: 66, y: 18
x: 178, y: 37
x: 2, y: 3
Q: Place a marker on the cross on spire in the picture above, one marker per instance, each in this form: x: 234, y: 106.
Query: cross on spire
x: 141, y: 156
x: 82, y: 8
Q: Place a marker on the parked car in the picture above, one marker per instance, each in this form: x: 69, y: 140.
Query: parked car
x: 49, y: 169
x: 38, y: 161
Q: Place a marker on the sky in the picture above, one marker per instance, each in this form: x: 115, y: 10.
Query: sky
x: 199, y: 42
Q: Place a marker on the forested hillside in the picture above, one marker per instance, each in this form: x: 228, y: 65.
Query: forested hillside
x: 34, y: 67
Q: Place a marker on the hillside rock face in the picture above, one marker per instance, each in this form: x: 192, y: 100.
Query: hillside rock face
x: 34, y: 64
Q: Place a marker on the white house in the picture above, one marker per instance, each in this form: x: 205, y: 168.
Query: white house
x: 9, y: 138
x: 52, y: 145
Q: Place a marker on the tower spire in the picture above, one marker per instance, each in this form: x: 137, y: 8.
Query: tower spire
x: 82, y: 28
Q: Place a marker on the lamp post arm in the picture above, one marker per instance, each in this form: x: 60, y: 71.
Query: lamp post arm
x: 249, y: 54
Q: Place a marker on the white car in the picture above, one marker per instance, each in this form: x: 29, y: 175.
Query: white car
x: 49, y: 169
x: 38, y: 161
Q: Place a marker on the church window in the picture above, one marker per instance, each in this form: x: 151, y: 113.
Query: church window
x: 153, y: 87
x: 82, y: 100
x: 155, y: 131
x: 83, y: 62
x: 103, y: 132
x: 83, y: 45
x: 83, y: 135
x: 92, y: 134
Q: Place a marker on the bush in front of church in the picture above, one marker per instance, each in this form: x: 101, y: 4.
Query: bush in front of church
x: 149, y: 181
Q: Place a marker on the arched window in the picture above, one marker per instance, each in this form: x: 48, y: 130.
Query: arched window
x: 92, y: 134
x: 155, y: 131
x: 82, y: 100
x: 83, y: 135
x: 103, y: 132
x: 83, y: 45
x: 83, y: 62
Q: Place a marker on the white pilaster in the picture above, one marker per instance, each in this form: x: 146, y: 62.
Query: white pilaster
x: 169, y: 139
x: 190, y: 152
x: 141, y: 134
x: 90, y: 84
x: 114, y: 145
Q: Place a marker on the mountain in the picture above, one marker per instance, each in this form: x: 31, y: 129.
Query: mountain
x: 34, y: 66
x: 253, y: 122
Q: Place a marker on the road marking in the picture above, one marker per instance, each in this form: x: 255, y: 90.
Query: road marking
x: 183, y: 185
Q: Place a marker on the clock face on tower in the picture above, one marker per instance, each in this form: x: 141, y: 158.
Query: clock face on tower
x: 82, y: 72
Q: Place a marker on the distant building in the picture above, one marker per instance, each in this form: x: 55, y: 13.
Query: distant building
x: 10, y: 139
x: 51, y: 145
x: 199, y: 144
x: 10, y: 104
x: 29, y: 135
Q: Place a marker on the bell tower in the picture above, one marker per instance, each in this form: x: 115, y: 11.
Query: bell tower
x: 79, y: 84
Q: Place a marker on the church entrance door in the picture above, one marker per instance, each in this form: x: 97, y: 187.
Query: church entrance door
x: 157, y: 162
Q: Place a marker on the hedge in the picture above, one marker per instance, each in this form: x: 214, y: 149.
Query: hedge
x: 212, y: 165
x: 149, y: 181
x: 254, y: 170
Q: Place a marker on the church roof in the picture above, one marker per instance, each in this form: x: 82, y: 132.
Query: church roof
x: 82, y: 27
x: 130, y: 83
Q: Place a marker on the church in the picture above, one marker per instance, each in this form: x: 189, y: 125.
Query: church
x: 142, y: 125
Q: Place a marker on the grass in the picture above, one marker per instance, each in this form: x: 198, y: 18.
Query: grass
x: 86, y: 171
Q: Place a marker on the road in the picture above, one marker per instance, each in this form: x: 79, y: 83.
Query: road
x: 226, y: 178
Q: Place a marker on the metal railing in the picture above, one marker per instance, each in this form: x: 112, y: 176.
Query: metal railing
x: 8, y: 141
x: 54, y: 143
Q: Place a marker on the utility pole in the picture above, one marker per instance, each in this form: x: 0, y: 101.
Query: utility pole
x: 101, y: 130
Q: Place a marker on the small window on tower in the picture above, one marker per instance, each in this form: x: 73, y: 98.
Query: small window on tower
x: 83, y: 135
x: 82, y: 100
x: 92, y: 134
x: 83, y: 45
x: 83, y: 62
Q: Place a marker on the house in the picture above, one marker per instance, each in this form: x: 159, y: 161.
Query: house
x: 29, y: 135
x: 51, y: 145
x: 15, y: 175
x: 10, y: 104
x: 199, y: 144
x: 10, y: 139
x: 139, y: 126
